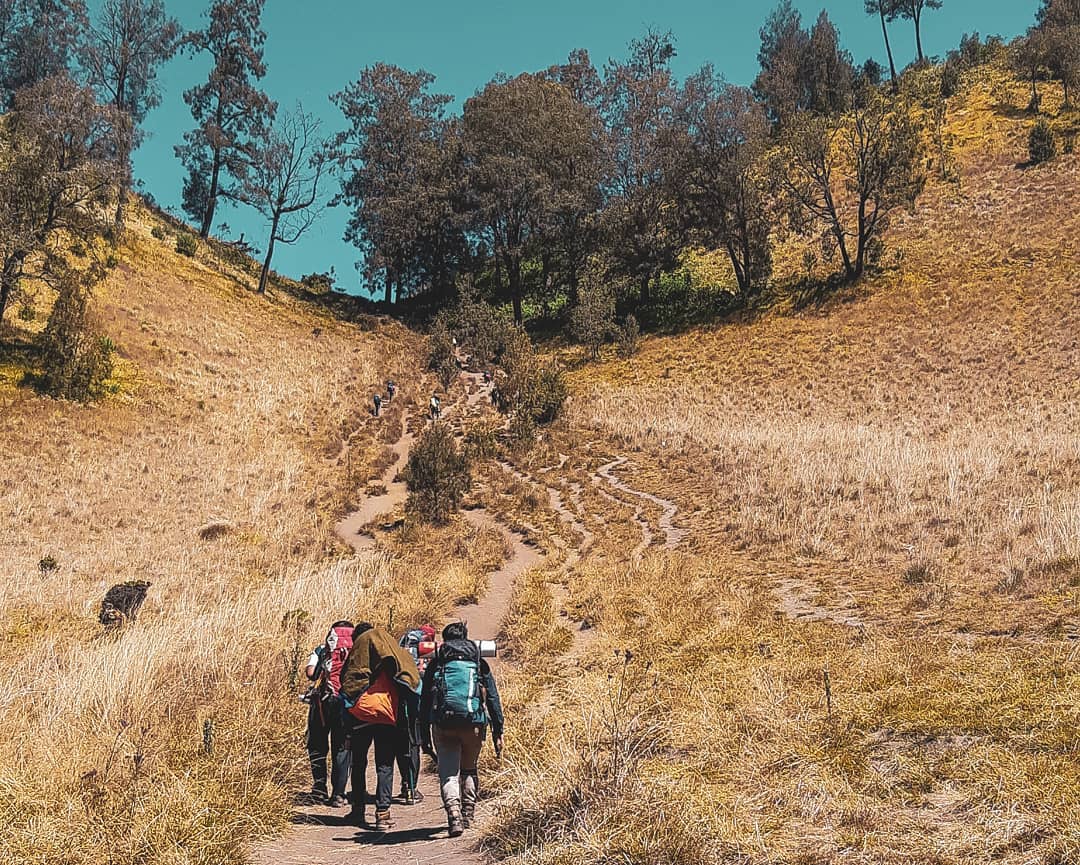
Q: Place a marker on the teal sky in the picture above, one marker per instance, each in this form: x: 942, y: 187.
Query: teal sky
x: 316, y: 47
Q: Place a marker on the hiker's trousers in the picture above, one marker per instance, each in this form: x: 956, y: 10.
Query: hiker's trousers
x: 458, y: 749
x: 327, y: 738
x: 386, y: 739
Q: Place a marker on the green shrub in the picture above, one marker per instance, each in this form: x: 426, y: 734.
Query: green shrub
x: 76, y: 359
x: 158, y: 233
x: 437, y: 475
x: 1041, y: 144
x: 441, y: 356
x: 481, y: 441
x: 592, y: 321
x: 629, y: 336
x: 26, y: 312
x: 187, y: 244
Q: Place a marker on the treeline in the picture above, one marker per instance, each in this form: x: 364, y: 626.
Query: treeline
x: 576, y: 190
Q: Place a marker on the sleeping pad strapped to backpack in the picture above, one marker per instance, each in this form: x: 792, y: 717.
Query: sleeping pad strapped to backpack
x: 459, y: 697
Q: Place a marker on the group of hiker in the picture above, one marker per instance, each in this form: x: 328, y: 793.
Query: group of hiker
x: 378, y: 399
x: 400, y: 697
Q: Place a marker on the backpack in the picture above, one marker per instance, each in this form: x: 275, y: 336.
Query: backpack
x: 338, y: 645
x: 379, y: 703
x: 459, y: 698
x: 412, y: 641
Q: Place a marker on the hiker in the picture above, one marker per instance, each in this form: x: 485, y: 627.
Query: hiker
x: 378, y: 404
x: 436, y: 407
x: 391, y: 390
x: 409, y: 764
x: 379, y: 686
x: 458, y: 701
x: 487, y: 376
x: 326, y: 728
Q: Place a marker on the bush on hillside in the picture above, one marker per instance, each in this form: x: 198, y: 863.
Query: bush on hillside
x: 187, y: 244
x: 441, y: 358
x: 480, y: 326
x: 592, y: 321
x: 1041, y: 144
x: 77, y: 360
x: 158, y: 232
x: 629, y: 337
x: 437, y: 475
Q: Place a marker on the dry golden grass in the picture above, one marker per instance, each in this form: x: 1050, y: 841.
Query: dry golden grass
x: 232, y: 408
x: 909, y: 450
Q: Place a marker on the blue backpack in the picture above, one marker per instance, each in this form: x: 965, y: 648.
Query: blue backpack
x: 459, y: 698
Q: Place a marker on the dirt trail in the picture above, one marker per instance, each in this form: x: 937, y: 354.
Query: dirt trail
x: 673, y: 535
x: 350, y: 529
x: 322, y: 835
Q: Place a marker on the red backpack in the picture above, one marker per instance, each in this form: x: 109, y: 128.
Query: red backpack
x: 339, y: 644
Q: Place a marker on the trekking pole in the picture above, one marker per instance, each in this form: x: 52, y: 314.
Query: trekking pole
x: 390, y: 620
x: 828, y: 691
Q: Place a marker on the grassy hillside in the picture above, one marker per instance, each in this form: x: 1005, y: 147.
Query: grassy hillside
x: 863, y: 650
x: 238, y: 431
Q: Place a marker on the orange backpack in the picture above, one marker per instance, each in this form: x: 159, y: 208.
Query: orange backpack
x: 379, y: 703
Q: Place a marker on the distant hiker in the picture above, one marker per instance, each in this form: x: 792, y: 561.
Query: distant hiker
x: 391, y: 390
x: 326, y: 727
x: 379, y: 686
x: 487, y: 376
x: 409, y: 764
x: 495, y: 397
x: 435, y: 405
x: 458, y: 702
x: 378, y: 404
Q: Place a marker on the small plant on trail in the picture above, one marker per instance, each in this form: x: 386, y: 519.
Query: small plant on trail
x: 187, y: 244
x: 629, y: 336
x: 437, y: 475
x: 47, y: 565
x: 27, y: 313
x: 1041, y: 144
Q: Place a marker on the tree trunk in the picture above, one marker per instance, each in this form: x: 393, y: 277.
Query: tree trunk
x: 888, y: 47
x: 7, y: 287
x: 515, y: 290
x: 645, y: 297
x: 388, y: 294
x: 917, y: 18
x: 269, y: 254
x: 211, y: 203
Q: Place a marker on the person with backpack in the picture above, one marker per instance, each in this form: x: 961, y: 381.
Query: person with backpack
x: 378, y: 404
x: 391, y: 390
x: 327, y: 736
x: 436, y: 407
x: 459, y: 701
x: 380, y: 690
x: 409, y: 763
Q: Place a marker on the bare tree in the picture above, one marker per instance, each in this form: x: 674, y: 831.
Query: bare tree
x: 282, y: 182
x: 125, y: 46
x: 58, y: 174
x: 231, y: 112
x: 848, y: 175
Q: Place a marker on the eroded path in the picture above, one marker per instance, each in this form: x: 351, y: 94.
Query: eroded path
x: 323, y: 836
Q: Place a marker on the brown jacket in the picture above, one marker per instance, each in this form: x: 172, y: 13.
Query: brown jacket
x: 373, y: 651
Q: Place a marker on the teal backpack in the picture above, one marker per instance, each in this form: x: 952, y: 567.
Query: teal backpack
x: 458, y: 699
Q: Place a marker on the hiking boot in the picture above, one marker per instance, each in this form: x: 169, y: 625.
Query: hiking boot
x: 383, y: 823
x: 338, y: 802
x: 457, y: 827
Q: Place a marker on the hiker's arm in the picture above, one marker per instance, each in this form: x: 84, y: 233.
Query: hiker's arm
x: 314, y: 664
x: 494, y: 704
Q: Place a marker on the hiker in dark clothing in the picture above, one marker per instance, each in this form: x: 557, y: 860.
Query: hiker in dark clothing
x: 326, y: 727
x: 391, y: 390
x: 459, y: 700
x: 378, y: 404
x: 379, y: 686
x: 409, y: 763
